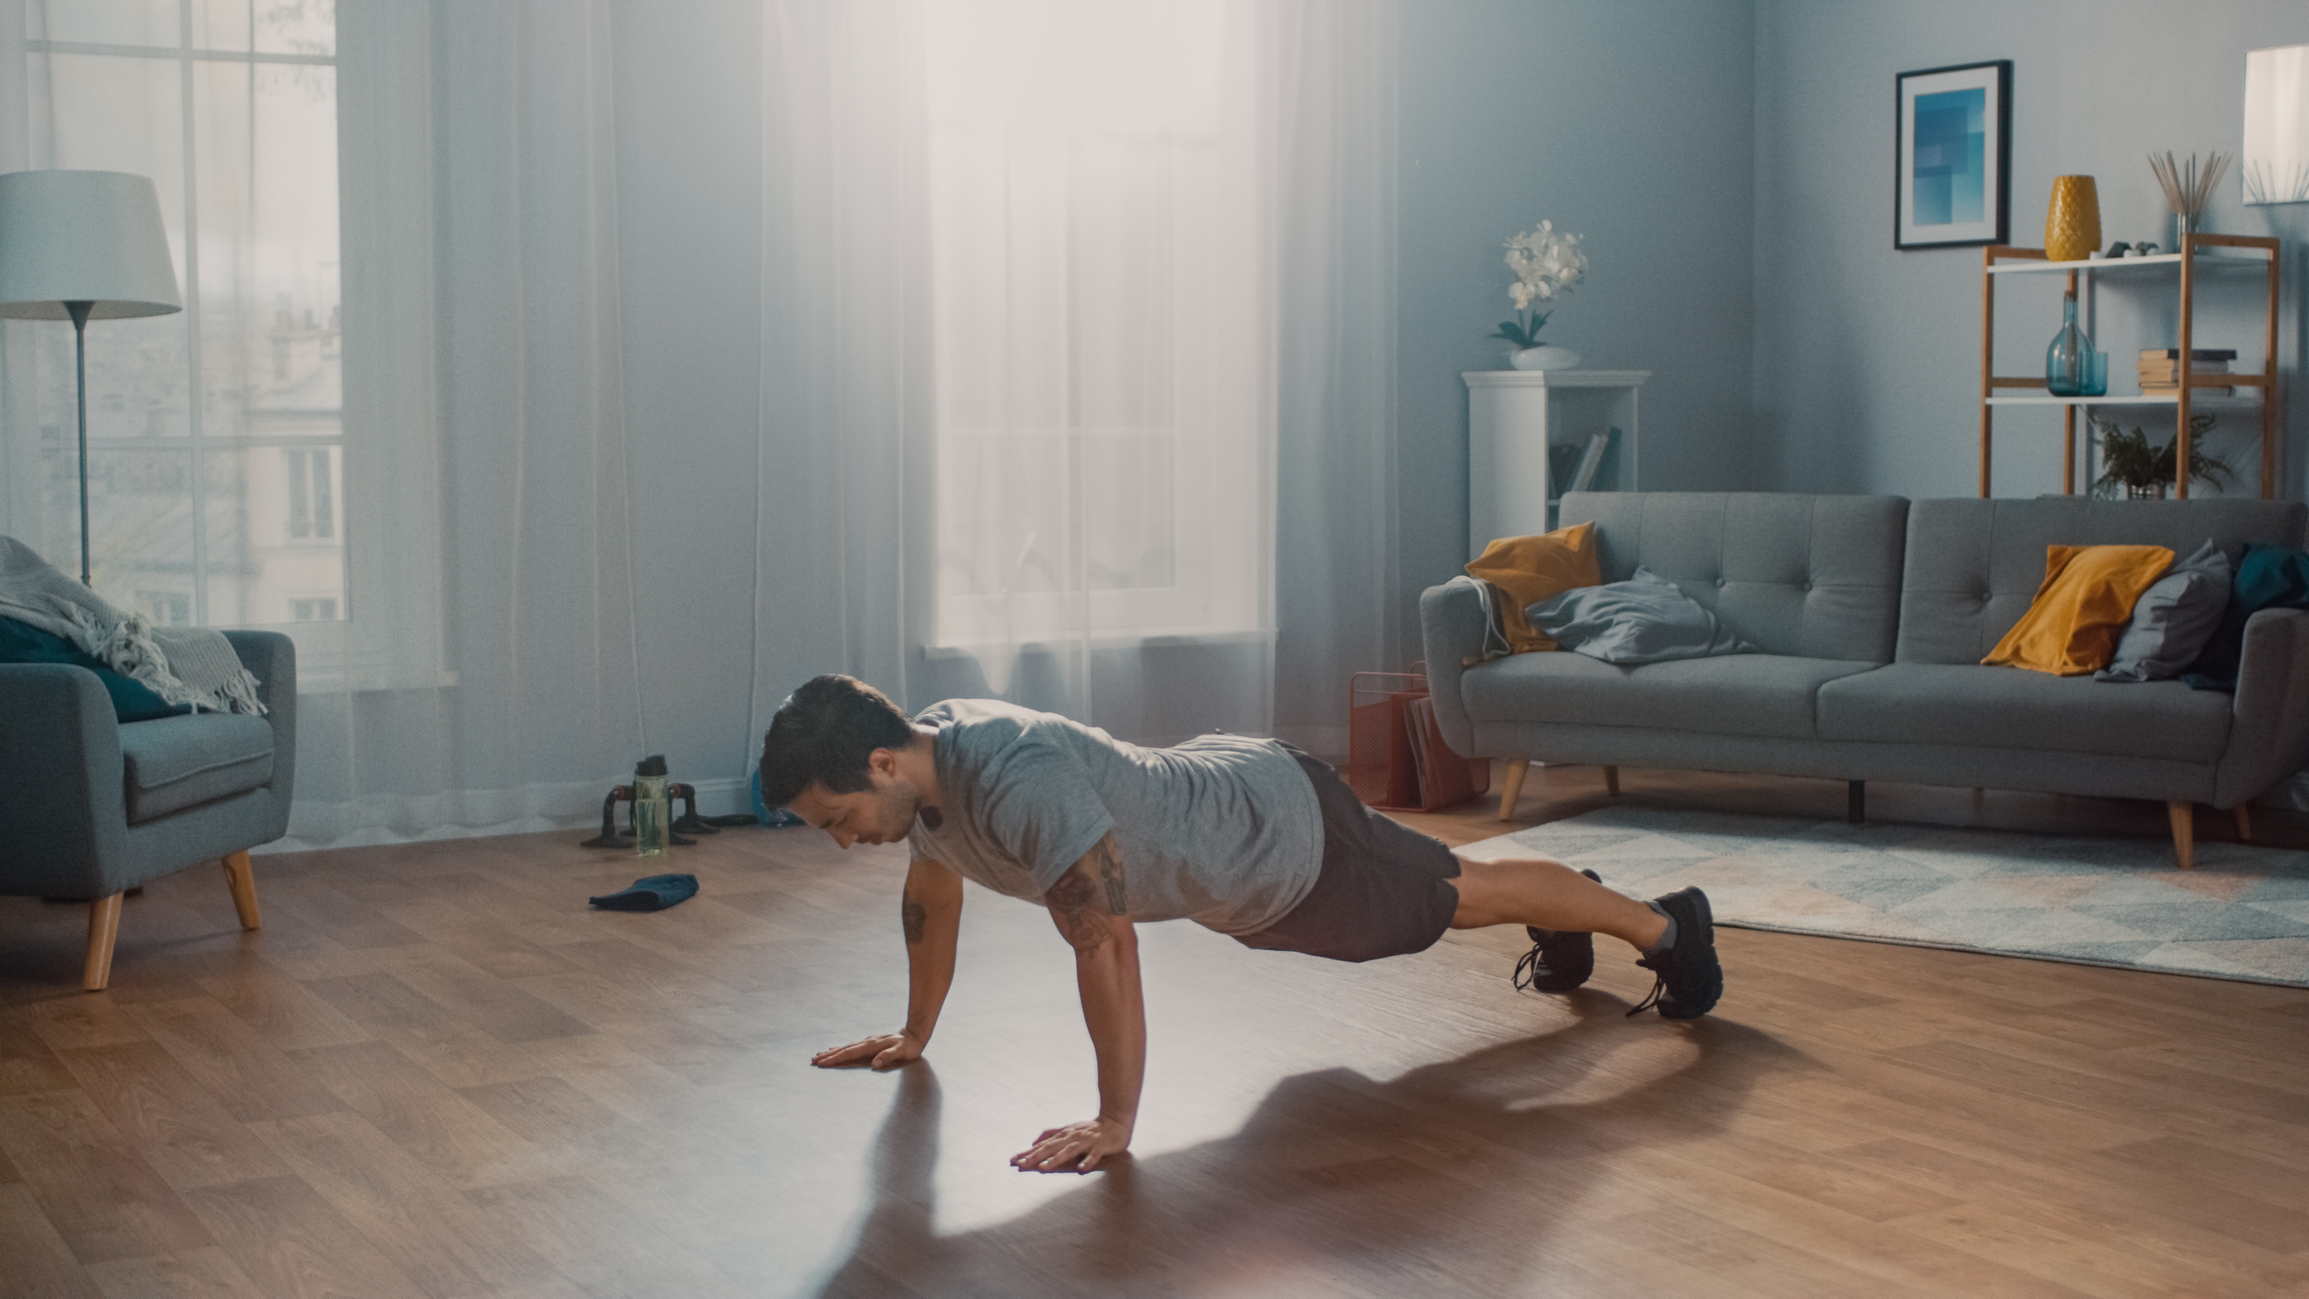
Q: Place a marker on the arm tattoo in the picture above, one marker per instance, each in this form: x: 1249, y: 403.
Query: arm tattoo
x: 1110, y: 875
x: 1075, y: 901
x: 916, y: 918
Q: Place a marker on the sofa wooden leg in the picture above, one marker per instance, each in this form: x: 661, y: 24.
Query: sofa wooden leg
x: 103, y: 930
x: 243, y: 882
x: 1855, y: 801
x: 1517, y: 769
x: 1611, y: 781
x: 2184, y: 818
x: 2244, y: 817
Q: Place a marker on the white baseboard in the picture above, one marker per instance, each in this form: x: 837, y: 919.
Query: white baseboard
x: 724, y: 797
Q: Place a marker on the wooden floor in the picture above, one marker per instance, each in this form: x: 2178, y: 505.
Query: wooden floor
x: 435, y: 1072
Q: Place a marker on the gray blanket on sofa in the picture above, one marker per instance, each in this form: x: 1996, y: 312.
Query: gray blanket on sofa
x: 183, y: 665
x: 1647, y: 619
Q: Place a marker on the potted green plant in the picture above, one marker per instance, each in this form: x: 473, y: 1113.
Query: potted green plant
x: 2137, y: 469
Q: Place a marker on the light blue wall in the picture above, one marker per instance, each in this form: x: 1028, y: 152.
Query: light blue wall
x: 1628, y: 123
x: 1867, y: 359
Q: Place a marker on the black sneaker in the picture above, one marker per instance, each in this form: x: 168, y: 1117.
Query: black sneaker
x: 1689, y: 979
x: 1559, y: 959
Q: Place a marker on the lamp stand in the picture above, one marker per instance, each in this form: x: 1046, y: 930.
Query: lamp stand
x: 80, y: 312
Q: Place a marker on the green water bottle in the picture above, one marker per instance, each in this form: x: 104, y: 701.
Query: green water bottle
x: 651, y: 813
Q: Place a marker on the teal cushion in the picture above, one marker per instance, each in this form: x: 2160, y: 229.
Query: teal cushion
x: 173, y: 763
x: 132, y: 700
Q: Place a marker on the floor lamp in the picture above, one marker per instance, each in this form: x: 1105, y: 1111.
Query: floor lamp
x: 82, y: 246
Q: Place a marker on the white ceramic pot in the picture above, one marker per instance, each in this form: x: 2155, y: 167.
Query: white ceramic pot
x: 1546, y: 356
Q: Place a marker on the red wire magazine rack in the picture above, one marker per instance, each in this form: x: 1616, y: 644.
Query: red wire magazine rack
x: 1396, y: 758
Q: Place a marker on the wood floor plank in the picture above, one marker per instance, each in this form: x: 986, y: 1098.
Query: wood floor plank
x: 548, y: 1112
x: 496, y: 1006
x: 283, y: 1011
x: 27, y: 1062
x: 564, y: 1220
x: 426, y: 1117
x: 348, y: 922
x: 409, y: 1213
x: 77, y: 1021
x: 208, y: 1273
x: 98, y: 1193
x: 247, y: 1075
x: 34, y: 1260
x: 2168, y: 1257
x: 181, y: 1130
x: 288, y: 1240
x: 442, y: 1041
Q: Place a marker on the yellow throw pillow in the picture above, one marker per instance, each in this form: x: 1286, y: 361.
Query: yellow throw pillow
x: 1532, y: 569
x: 2087, y: 598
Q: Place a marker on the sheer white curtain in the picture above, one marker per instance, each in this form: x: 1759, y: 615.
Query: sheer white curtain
x: 488, y: 448
x: 1031, y: 271
x: 389, y: 421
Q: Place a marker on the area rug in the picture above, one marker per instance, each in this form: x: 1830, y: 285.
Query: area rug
x: 2243, y: 913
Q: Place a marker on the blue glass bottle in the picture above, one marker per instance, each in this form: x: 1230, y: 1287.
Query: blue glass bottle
x: 2068, y: 362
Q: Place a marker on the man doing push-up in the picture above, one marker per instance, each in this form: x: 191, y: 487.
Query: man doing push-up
x: 1252, y: 838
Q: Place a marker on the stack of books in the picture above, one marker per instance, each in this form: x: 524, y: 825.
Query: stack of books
x: 2161, y: 367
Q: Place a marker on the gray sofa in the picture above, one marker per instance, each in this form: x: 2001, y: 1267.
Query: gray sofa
x: 1873, y: 613
x: 97, y: 807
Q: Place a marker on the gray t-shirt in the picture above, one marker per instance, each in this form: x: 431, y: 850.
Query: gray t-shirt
x: 1221, y: 830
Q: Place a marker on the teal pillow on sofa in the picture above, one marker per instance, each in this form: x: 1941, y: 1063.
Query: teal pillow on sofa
x: 132, y: 700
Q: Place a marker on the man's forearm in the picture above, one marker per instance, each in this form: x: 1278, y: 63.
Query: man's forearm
x: 931, y: 912
x: 1115, y: 1011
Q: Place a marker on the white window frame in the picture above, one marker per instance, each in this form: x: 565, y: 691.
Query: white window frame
x: 388, y: 498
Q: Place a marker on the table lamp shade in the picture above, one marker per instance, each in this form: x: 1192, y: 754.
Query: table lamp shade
x: 83, y: 236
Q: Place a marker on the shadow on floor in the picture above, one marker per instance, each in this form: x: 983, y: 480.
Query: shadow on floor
x: 1445, y: 1180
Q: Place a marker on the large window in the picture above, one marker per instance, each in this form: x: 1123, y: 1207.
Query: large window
x: 1104, y: 393
x: 216, y: 435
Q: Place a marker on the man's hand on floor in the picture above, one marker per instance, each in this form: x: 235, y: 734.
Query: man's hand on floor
x: 1075, y: 1148
x: 885, y: 1052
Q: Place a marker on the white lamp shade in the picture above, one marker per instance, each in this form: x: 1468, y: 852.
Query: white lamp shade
x: 83, y: 236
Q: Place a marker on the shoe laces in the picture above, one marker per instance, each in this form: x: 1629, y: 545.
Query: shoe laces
x: 1652, y: 998
x: 1528, y: 969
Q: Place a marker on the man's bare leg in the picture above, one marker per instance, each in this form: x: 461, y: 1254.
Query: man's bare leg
x: 1549, y: 895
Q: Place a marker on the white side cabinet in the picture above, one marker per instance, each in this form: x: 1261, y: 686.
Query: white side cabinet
x: 1514, y: 417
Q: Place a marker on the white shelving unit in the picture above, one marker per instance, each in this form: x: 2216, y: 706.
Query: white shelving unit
x: 2200, y: 254
x: 1514, y: 416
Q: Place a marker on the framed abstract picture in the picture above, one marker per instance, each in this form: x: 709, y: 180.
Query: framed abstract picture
x: 1953, y: 164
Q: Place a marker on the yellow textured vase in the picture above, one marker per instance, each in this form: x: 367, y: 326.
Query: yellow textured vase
x: 2072, y: 225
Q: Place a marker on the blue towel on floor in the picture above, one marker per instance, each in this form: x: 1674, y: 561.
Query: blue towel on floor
x: 653, y: 893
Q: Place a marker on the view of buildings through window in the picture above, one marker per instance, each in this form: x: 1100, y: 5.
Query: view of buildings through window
x: 216, y: 466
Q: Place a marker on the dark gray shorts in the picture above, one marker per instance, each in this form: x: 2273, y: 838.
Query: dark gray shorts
x: 1385, y: 889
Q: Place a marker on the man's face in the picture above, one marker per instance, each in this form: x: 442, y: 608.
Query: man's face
x: 882, y: 814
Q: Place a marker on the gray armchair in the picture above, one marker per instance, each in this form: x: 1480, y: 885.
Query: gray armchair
x: 97, y: 807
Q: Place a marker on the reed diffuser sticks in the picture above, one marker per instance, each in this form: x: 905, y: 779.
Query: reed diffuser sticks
x: 2188, y: 189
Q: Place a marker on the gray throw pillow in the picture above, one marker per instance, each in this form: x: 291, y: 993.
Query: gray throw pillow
x: 1646, y: 619
x: 2175, y: 617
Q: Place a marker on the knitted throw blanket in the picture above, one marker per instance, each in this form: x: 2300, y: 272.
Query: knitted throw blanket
x: 183, y: 665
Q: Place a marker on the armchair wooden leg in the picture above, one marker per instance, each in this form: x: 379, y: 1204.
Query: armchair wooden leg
x: 103, y: 930
x: 1611, y: 781
x: 243, y: 882
x: 2184, y: 818
x: 2244, y: 815
x: 1517, y: 769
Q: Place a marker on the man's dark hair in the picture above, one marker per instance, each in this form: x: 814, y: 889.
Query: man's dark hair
x: 824, y: 733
